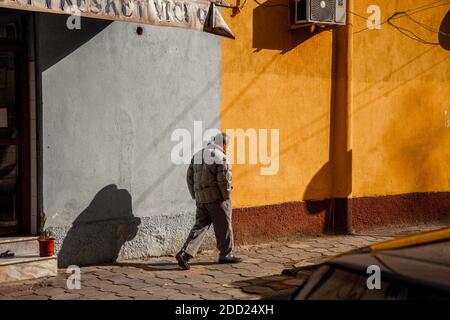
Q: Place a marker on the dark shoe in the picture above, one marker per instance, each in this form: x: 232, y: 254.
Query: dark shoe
x: 7, y: 254
x: 230, y: 260
x: 183, y: 258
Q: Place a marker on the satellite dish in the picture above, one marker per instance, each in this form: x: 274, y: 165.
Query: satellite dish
x: 215, y: 24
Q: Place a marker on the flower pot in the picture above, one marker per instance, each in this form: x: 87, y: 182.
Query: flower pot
x: 46, y: 248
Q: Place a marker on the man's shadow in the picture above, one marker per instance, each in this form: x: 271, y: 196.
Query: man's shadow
x: 99, y: 232
x: 444, y: 32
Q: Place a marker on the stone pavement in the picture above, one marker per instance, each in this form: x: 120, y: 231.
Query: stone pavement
x: 259, y: 276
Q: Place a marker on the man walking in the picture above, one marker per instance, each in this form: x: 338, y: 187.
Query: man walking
x: 209, y: 183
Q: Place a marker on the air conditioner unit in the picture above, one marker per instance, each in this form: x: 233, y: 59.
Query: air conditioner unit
x: 326, y: 12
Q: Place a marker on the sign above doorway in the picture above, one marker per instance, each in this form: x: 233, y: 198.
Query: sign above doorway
x: 188, y: 14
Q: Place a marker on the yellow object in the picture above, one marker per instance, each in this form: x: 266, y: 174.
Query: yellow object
x: 413, y: 240
x: 397, y: 137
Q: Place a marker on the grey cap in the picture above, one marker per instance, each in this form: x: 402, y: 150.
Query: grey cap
x: 221, y: 139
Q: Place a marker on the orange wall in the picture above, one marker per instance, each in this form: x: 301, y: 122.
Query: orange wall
x: 276, y: 78
x: 400, y: 136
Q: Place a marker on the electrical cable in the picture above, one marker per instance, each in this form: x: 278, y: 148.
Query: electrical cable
x: 242, y: 5
x: 408, y: 14
x: 358, y: 15
x: 271, y: 5
x: 427, y: 27
x: 411, y: 34
x: 427, y: 7
x: 423, y: 25
x: 221, y: 3
x: 397, y: 15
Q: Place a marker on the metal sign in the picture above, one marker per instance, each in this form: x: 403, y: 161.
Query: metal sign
x: 189, y: 14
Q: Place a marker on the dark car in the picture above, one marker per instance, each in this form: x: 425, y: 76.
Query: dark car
x: 414, y: 267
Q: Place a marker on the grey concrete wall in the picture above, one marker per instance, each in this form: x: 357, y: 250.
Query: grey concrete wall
x: 110, y: 102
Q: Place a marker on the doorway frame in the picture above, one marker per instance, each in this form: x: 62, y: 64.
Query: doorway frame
x: 21, y: 48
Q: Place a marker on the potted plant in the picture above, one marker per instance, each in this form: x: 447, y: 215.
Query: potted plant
x: 46, y: 239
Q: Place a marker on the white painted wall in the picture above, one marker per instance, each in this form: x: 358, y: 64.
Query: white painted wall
x: 109, y: 106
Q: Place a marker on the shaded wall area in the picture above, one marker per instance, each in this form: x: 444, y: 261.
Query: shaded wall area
x: 57, y: 42
x: 99, y: 231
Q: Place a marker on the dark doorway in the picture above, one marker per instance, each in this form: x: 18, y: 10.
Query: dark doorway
x: 14, y: 126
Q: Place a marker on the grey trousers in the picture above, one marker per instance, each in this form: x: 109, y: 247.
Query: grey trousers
x: 219, y: 214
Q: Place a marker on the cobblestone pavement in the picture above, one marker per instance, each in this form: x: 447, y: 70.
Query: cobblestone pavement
x: 259, y: 276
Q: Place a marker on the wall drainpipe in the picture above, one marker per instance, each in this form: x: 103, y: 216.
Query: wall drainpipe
x: 340, y: 126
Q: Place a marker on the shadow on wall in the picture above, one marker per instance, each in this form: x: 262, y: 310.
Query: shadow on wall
x: 56, y: 41
x: 338, y: 170
x: 333, y: 209
x: 444, y: 32
x: 98, y: 233
x: 271, y: 29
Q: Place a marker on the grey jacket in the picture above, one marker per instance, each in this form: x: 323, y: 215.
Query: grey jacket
x: 209, y: 175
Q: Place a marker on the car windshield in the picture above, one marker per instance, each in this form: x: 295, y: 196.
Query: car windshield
x: 330, y: 283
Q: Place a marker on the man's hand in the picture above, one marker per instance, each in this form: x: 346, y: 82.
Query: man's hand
x: 190, y: 179
x: 224, y: 178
